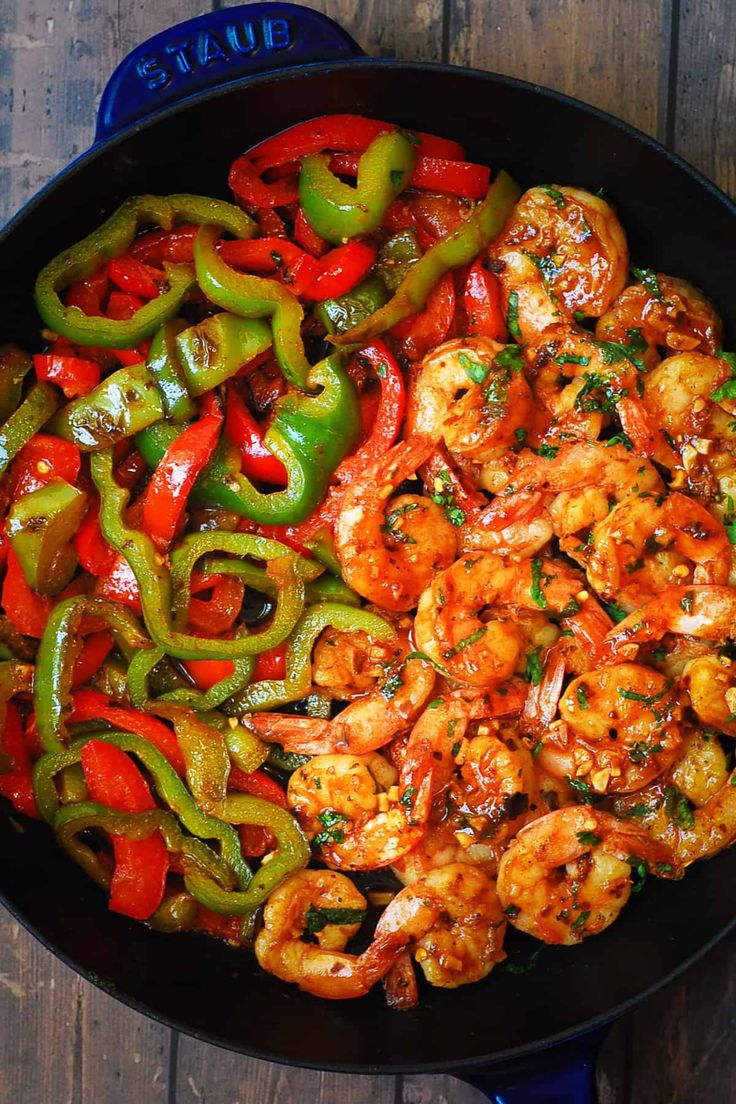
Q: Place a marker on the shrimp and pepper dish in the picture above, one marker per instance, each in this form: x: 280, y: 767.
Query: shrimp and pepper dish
x: 368, y: 563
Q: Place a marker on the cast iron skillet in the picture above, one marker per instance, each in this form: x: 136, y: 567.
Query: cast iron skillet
x: 677, y: 222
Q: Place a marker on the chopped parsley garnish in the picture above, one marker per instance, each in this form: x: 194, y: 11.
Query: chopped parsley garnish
x: 598, y: 394
x: 580, y: 920
x: 436, y: 703
x: 727, y: 390
x: 535, y: 589
x: 329, y: 819
x: 511, y: 966
x: 537, y: 747
x: 392, y: 685
x: 615, y: 611
x: 729, y: 520
x: 476, y: 371
x: 640, y: 751
x: 554, y: 194
x: 521, y: 434
x: 381, y: 370
x: 589, y: 839
x: 648, y: 277
x: 446, y: 499
x: 638, y: 809
x: 510, y: 358
x: 686, y: 602
x: 579, y: 316
x: 572, y: 358
x: 620, y: 439
x: 407, y: 798
x: 582, y: 697
x: 512, y: 316
x: 645, y: 699
x: 549, y: 270
x: 533, y: 672
x: 614, y: 352
x: 318, y: 918
x: 639, y: 870
x: 577, y: 784
x: 678, y: 807
x: 467, y: 642
x: 547, y: 452
x: 428, y: 659
x: 392, y: 517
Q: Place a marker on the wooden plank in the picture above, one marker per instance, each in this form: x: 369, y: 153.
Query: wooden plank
x: 409, y: 29
x: 40, y: 1005
x: 611, y: 55
x: 704, y: 90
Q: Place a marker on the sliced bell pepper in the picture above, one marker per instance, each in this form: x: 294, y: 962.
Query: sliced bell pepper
x: 242, y: 430
x: 14, y: 367
x: 461, y: 178
x: 168, y: 491
x: 458, y: 248
x: 133, y: 275
x: 429, y: 327
x: 340, y: 271
x: 16, y: 784
x: 338, y: 211
x: 91, y: 705
x: 293, y: 267
x: 123, y: 404
x: 119, y: 584
x: 42, y: 459
x: 175, y: 245
x: 254, y: 839
x: 73, y: 375
x: 389, y: 416
x: 163, y: 364
x: 397, y: 256
x: 122, y: 306
x: 141, y: 866
x: 218, y: 347
x: 206, y: 673
x: 217, y: 615
x: 270, y: 665
x: 41, y: 526
x: 95, y: 650
x: 308, y: 238
x: 88, y: 294
x: 245, y: 181
x: 26, y: 610
x: 35, y: 410
x: 113, y: 239
x: 483, y: 300
x: 348, y: 311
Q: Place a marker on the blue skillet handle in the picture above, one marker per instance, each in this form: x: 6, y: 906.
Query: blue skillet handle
x: 213, y: 49
x: 561, y: 1075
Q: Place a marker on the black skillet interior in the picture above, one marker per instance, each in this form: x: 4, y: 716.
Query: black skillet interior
x: 675, y: 223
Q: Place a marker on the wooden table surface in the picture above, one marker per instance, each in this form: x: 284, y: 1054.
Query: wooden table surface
x: 668, y: 66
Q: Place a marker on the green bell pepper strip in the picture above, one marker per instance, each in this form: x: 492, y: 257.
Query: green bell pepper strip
x: 163, y: 364
x: 205, y: 754
x: 270, y: 693
x: 13, y: 645
x: 41, y: 526
x: 58, y: 650
x: 15, y: 678
x: 326, y: 588
x: 292, y: 855
x: 143, y: 663
x: 338, y: 211
x: 114, y: 238
x: 310, y: 435
x: 123, y: 404
x: 458, y: 248
x: 176, y: 913
x: 396, y: 256
x: 216, y: 348
x: 35, y: 410
x: 155, y: 582
x: 167, y: 784
x: 14, y: 366
x: 349, y: 310
x: 196, y: 856
x: 254, y: 297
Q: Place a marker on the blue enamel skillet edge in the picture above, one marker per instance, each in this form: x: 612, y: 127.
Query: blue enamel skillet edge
x: 177, y: 110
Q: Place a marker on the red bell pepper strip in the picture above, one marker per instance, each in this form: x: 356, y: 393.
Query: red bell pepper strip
x: 216, y: 615
x: 122, y: 305
x: 95, y: 650
x: 95, y: 554
x: 308, y: 238
x: 340, y: 270
x: 44, y: 458
x: 173, y: 479
x: 176, y: 245
x: 483, y: 301
x: 460, y: 178
x: 73, y: 375
x: 27, y: 610
x: 245, y: 181
x: 221, y: 927
x: 131, y: 469
x: 206, y: 673
x: 17, y: 784
x: 92, y: 705
x: 254, y: 840
x: 271, y: 664
x: 131, y: 356
x: 287, y: 534
x: 119, y: 584
x: 241, y: 428
x: 88, y: 295
x: 389, y: 415
x: 428, y: 328
x: 141, y: 866
x: 134, y: 276
x: 294, y: 268
x: 346, y: 133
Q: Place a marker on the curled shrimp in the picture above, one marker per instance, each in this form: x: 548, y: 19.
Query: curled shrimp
x: 367, y: 723
x: 645, y: 543
x: 352, y: 808
x: 514, y: 599
x: 562, y: 250
x: 705, y: 612
x: 466, y: 393
x: 567, y: 875
x: 322, y: 968
x: 710, y: 683
x: 464, y: 941
x: 348, y: 665
x: 442, y: 845
x: 668, y: 312
x: 620, y: 728
x: 390, y: 549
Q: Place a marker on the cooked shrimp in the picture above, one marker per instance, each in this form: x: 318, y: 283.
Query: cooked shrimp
x: 468, y: 394
x: 441, y: 845
x: 465, y: 940
x: 390, y: 549
x: 367, y: 723
x: 668, y: 312
x: 348, y: 665
x: 645, y: 543
x: 710, y: 682
x: 352, y: 808
x: 568, y: 875
x: 322, y: 968
x: 705, y: 612
x: 486, y: 650
x: 701, y: 770
x: 562, y: 250
x: 620, y: 728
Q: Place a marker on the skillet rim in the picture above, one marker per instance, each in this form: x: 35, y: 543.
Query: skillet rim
x: 46, y: 192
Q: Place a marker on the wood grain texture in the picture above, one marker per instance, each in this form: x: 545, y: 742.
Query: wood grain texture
x: 611, y: 54
x: 702, y: 128
x: 390, y: 28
